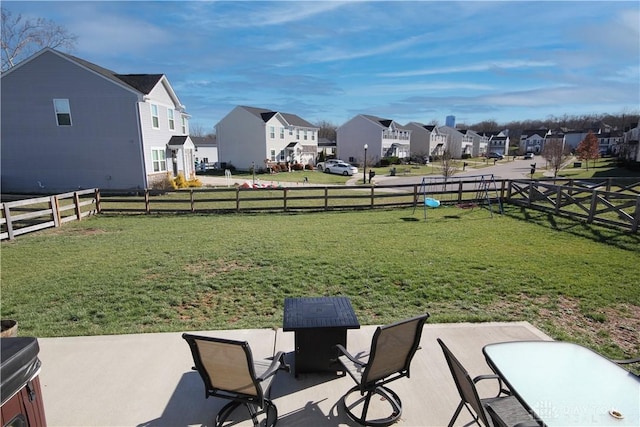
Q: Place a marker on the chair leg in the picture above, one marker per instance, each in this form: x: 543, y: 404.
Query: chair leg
x: 269, y: 410
x: 456, y: 414
x: 387, y: 394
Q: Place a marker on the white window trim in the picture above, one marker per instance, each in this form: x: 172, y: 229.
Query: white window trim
x: 59, y: 111
x: 155, y: 123
x: 171, y: 119
x: 160, y: 161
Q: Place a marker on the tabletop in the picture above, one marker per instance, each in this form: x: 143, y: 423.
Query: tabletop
x: 566, y: 384
x: 319, y: 312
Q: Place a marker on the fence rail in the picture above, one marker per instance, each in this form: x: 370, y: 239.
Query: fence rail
x: 611, y: 201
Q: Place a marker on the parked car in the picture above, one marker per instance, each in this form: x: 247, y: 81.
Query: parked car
x: 528, y: 156
x: 322, y: 165
x: 341, y: 169
x: 493, y: 155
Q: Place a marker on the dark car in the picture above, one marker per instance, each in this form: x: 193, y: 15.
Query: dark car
x: 493, y: 155
x: 528, y: 156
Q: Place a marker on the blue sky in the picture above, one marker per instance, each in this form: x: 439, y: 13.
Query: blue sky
x: 406, y: 61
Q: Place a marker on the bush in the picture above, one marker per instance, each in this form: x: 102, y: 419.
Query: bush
x: 309, y: 167
x: 297, y: 167
x: 179, y: 181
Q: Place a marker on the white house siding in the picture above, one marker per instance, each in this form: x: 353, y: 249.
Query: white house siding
x: 354, y: 134
x: 420, y: 140
x: 242, y: 139
x: 454, y: 141
x: 157, y: 138
x: 100, y: 149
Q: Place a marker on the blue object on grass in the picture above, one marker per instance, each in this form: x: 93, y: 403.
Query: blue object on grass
x: 432, y: 203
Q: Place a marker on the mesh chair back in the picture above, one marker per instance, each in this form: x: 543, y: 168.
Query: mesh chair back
x: 225, y: 365
x: 392, y: 349
x: 464, y: 383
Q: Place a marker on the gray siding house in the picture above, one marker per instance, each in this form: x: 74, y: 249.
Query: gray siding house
x: 68, y: 124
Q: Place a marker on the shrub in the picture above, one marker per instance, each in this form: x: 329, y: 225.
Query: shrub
x: 309, y: 167
x: 297, y: 167
x: 179, y: 181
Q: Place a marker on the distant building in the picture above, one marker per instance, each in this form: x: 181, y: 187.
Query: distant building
x: 451, y: 121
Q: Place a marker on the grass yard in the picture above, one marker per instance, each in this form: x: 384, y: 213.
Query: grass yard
x: 132, y: 274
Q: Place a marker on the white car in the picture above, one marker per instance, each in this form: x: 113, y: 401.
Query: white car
x: 341, y: 169
x: 528, y: 156
x: 327, y: 163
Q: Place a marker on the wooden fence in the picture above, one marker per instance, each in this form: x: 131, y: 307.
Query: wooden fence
x: 25, y: 216
x: 611, y: 201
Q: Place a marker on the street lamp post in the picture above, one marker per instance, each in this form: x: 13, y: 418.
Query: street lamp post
x: 364, y: 177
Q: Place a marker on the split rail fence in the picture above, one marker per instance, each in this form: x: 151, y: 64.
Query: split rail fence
x: 609, y: 202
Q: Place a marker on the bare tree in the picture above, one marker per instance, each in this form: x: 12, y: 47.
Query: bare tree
x: 23, y: 37
x: 327, y: 130
x: 449, y: 167
x: 588, y: 149
x: 555, y: 153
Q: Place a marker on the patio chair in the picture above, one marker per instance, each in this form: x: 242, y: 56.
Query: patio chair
x: 502, y: 410
x: 392, y: 349
x: 229, y: 372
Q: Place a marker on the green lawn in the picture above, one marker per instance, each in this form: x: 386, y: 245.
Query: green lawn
x: 112, y: 274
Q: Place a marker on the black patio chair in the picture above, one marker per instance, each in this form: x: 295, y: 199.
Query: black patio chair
x: 392, y: 349
x: 229, y: 372
x: 502, y: 410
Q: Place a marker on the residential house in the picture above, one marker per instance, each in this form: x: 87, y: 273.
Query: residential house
x: 629, y: 148
x: 426, y: 140
x: 556, y: 136
x: 499, y: 143
x: 250, y: 136
x: 532, y: 140
x: 608, y: 140
x: 327, y: 148
x: 383, y: 137
x: 479, y: 143
x: 206, y: 152
x: 69, y: 124
x: 458, y: 143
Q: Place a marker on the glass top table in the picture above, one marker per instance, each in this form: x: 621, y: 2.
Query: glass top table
x: 566, y: 384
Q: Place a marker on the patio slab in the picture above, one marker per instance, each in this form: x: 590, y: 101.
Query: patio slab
x: 146, y: 380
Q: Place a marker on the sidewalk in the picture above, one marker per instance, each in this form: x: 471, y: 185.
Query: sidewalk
x: 146, y: 380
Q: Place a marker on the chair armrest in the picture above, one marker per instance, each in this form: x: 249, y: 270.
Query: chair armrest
x: 502, y: 390
x: 277, y: 363
x: 627, y: 361
x: 344, y: 351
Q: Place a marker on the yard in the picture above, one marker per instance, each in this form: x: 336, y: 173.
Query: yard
x: 113, y: 274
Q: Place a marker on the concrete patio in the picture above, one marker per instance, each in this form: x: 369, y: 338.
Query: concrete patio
x: 146, y: 380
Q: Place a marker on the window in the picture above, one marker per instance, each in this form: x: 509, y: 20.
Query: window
x: 313, y: 136
x: 281, y: 133
x: 305, y: 135
x: 63, y: 112
x: 172, y: 124
x: 155, y: 119
x: 272, y: 132
x: 298, y: 134
x: 184, y: 125
x: 159, y: 157
x: 290, y: 131
x: 273, y: 155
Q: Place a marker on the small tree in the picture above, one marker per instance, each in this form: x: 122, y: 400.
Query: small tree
x: 555, y: 153
x: 20, y: 38
x: 449, y: 167
x: 588, y: 149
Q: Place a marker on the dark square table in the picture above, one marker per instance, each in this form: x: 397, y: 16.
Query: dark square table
x: 319, y: 323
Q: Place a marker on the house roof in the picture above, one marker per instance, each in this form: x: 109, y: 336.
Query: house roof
x: 290, y: 119
x: 204, y: 141
x: 141, y: 83
x: 178, y: 140
x: 384, y: 122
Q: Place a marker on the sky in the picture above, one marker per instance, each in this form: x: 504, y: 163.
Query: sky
x: 328, y: 61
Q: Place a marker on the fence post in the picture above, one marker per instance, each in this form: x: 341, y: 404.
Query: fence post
x: 372, y: 196
x: 592, y: 209
x: 147, y: 201
x: 192, y: 199
x: 97, y: 198
x: 7, y: 216
x: 636, y: 217
x: 55, y: 210
x: 326, y: 198
x: 460, y: 185
x: 237, y: 199
x: 415, y: 196
x: 558, y: 199
x: 76, y: 200
x: 284, y: 198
